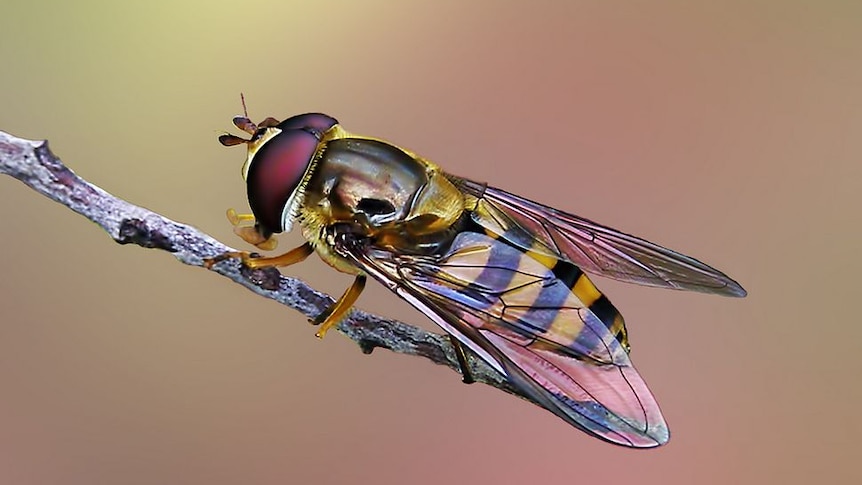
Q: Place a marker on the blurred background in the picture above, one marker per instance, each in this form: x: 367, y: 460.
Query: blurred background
x: 729, y: 131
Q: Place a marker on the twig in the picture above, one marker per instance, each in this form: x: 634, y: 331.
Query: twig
x: 34, y: 164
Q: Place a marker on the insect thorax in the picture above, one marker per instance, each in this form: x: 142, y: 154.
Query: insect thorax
x: 402, y: 202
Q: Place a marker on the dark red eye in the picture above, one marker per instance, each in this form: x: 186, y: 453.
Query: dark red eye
x: 316, y: 122
x: 275, y: 173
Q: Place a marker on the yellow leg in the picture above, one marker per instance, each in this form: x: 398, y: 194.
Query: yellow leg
x: 252, y: 236
x: 243, y: 226
x: 291, y: 257
x: 237, y: 219
x: 335, y: 313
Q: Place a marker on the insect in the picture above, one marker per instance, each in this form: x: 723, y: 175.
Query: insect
x: 503, y: 275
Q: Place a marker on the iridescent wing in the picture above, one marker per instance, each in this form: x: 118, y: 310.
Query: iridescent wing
x: 594, y: 248
x: 532, y: 319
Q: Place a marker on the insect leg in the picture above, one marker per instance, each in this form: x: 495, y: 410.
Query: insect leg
x: 293, y: 256
x: 252, y: 236
x: 236, y: 219
x: 461, y: 355
x: 332, y: 315
x: 243, y: 226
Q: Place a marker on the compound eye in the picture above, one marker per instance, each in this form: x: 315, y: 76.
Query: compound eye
x: 314, y: 122
x: 276, y: 173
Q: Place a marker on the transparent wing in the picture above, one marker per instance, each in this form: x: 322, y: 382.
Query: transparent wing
x: 595, y: 248
x: 516, y: 314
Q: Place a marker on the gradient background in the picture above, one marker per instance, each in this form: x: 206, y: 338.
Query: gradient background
x: 731, y: 131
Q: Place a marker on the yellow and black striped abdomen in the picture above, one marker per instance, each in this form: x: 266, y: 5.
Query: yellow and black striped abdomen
x: 596, y: 301
x: 539, y: 301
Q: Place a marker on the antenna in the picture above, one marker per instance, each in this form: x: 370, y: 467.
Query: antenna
x: 244, y: 109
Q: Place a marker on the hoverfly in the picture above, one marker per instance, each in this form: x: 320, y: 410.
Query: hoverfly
x: 503, y: 275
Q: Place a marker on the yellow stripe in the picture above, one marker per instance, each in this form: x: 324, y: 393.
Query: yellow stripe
x: 566, y: 327
x: 586, y: 291
x: 546, y: 260
x: 538, y: 253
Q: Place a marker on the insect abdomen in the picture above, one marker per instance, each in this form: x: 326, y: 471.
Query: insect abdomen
x: 569, y: 274
x: 595, y: 300
x: 546, y: 303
